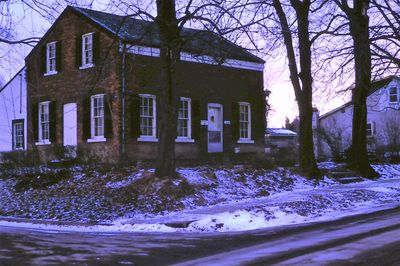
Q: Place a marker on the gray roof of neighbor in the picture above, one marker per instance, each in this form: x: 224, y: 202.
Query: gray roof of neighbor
x: 375, y: 85
x: 281, y: 132
x: 142, y: 32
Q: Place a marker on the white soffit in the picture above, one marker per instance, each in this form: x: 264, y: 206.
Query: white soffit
x: 204, y: 59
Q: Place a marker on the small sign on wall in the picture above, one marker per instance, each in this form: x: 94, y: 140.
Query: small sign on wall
x: 227, y: 122
x: 204, y: 122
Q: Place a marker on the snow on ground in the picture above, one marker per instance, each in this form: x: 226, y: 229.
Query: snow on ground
x: 203, y: 199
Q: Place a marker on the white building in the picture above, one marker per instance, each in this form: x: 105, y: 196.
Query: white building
x: 13, y: 126
x: 383, y: 122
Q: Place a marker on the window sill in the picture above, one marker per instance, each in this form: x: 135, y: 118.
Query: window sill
x: 42, y: 142
x: 184, y: 140
x: 50, y: 73
x: 147, y: 139
x: 92, y: 140
x: 86, y: 66
x: 245, y: 141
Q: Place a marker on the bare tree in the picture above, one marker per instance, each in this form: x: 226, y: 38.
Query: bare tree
x: 171, y: 17
x: 332, y: 135
x: 392, y: 130
x: 300, y: 68
x: 359, y: 30
x: 169, y: 55
x: 385, y: 35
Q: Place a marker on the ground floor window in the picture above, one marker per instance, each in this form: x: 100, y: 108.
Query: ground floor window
x: 370, y: 129
x: 44, y: 121
x: 97, y: 116
x: 147, y: 115
x: 244, y: 121
x: 184, y: 118
x: 18, y: 134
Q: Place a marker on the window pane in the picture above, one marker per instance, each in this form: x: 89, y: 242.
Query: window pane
x: 18, y: 135
x: 146, y: 116
x: 183, y: 118
x: 244, y: 121
x: 44, y: 127
x: 51, y: 57
x: 87, y: 49
x: 369, y: 129
x: 98, y: 116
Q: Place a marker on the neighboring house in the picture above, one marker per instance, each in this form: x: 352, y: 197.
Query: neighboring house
x: 383, y: 122
x: 280, y: 138
x: 94, y: 83
x: 13, y: 113
x: 282, y: 144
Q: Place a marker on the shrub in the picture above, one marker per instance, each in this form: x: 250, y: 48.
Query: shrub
x: 41, y: 180
x: 14, y: 159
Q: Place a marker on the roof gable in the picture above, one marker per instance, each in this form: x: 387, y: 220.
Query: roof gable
x: 375, y: 86
x: 11, y: 80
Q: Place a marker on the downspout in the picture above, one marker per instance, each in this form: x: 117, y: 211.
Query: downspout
x: 123, y: 102
x: 20, y: 92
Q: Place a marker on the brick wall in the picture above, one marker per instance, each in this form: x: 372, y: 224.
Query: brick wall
x: 201, y: 82
x: 74, y: 85
x: 205, y: 84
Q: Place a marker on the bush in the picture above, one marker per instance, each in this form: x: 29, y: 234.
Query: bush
x: 41, y: 180
x: 285, y: 156
x: 262, y: 160
x: 14, y: 159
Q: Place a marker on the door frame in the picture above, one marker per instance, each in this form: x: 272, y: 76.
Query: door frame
x: 70, y: 149
x: 220, y: 106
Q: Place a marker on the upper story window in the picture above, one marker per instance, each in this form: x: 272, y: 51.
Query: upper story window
x: 51, y: 58
x: 244, y: 121
x: 18, y: 134
x: 87, y: 50
x: 97, y: 116
x: 44, y: 122
x: 147, y: 115
x: 184, y: 118
x: 393, y: 95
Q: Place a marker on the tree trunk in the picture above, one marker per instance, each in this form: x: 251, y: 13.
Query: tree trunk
x: 359, y: 30
x: 306, y: 153
x: 306, y: 141
x: 169, y: 51
x: 301, y: 81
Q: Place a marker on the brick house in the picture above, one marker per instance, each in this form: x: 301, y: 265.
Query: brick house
x: 93, y: 83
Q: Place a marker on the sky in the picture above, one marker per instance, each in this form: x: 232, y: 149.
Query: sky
x: 276, y: 76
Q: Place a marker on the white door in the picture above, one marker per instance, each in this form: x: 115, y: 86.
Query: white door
x: 215, y: 127
x: 70, y: 129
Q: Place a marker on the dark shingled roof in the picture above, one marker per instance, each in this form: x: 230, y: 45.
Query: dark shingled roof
x: 146, y: 33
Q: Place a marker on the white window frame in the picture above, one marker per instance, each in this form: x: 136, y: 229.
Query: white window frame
x: 187, y: 138
x: 393, y: 94
x: 248, y: 138
x: 20, y: 136
x: 87, y: 63
x: 93, y: 136
x: 152, y: 137
x: 372, y: 126
x: 51, y: 69
x: 43, y: 141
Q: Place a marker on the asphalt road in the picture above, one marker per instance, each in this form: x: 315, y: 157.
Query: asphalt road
x: 372, y: 239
